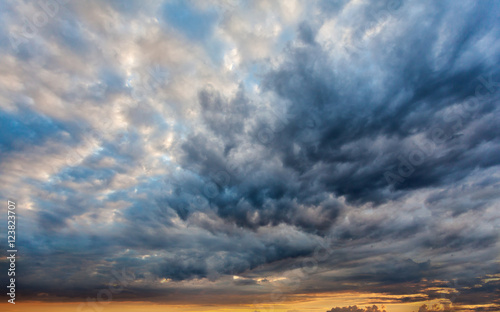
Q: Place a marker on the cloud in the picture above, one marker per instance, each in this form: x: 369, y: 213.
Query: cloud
x: 373, y: 308
x: 328, y: 147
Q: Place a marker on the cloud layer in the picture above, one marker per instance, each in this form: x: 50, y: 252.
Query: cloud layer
x: 236, y: 149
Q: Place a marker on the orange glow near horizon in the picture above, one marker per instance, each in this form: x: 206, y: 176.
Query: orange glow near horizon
x: 319, y: 303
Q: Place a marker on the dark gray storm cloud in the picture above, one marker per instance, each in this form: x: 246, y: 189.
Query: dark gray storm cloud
x: 368, y: 131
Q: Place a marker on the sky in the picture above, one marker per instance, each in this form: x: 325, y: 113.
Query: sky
x: 288, y: 156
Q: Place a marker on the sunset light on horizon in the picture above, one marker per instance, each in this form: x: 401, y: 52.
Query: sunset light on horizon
x: 250, y: 155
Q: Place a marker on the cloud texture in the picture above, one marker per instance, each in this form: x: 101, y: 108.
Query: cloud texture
x: 233, y: 149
